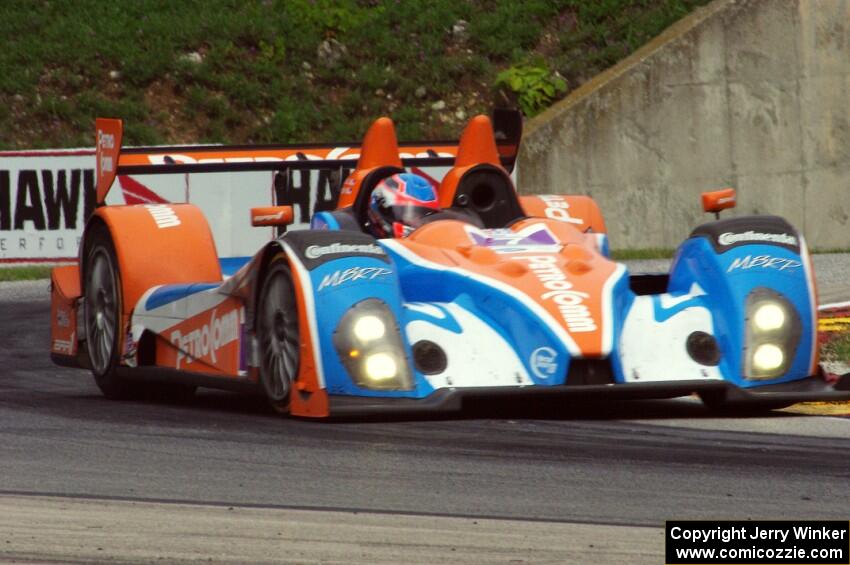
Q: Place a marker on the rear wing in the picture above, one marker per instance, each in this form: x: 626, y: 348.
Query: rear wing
x: 113, y: 160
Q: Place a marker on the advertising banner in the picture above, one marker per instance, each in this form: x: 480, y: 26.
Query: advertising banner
x: 46, y: 197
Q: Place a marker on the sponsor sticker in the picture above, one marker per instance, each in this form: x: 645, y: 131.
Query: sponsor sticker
x: 268, y: 217
x: 341, y: 153
x: 731, y: 238
x: 164, y: 215
x: 205, y: 341
x: 536, y: 238
x: 558, y: 208
x: 105, y: 140
x: 544, y: 362
x: 763, y: 262
x: 353, y: 274
x: 65, y: 345
x: 570, y: 302
x: 63, y: 318
x: 316, y: 251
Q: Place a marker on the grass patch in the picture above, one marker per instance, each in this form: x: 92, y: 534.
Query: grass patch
x: 243, y: 72
x: 837, y: 349
x: 650, y: 253
x: 24, y: 273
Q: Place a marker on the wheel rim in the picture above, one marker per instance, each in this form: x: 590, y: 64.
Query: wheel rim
x: 101, y: 311
x: 279, y: 337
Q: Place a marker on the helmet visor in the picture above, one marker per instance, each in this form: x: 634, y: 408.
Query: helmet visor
x: 412, y: 216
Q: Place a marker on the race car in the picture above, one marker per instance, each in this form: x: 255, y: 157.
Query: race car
x: 495, y: 295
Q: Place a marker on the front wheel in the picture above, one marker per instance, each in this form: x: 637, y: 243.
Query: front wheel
x: 278, y: 335
x: 716, y: 402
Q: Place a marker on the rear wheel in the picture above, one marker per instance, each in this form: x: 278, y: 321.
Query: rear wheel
x: 104, y: 327
x: 102, y: 312
x: 279, y: 335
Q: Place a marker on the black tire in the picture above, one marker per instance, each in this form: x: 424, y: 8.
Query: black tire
x: 102, y: 314
x: 103, y: 327
x: 278, y: 334
x: 716, y: 402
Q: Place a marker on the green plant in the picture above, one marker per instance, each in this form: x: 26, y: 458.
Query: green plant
x: 535, y: 86
x: 837, y: 349
x: 260, y: 79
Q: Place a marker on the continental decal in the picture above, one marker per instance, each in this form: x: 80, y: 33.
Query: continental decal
x: 316, y: 251
x: 731, y: 238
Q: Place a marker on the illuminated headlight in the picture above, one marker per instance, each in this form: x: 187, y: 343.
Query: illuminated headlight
x: 773, y: 333
x: 369, y: 328
x: 380, y: 367
x: 369, y: 345
x: 768, y: 317
x: 768, y: 357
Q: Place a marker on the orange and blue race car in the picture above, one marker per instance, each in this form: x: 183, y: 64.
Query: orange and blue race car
x: 469, y: 291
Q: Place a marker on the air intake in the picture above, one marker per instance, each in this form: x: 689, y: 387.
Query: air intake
x: 590, y: 372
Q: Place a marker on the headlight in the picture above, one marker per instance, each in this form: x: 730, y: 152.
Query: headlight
x: 768, y: 316
x: 380, y: 367
x: 369, y: 328
x: 773, y: 333
x: 369, y: 345
x: 768, y: 357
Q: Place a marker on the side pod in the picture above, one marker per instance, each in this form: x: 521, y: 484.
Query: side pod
x: 741, y: 265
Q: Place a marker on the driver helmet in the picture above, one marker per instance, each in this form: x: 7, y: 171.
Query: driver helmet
x: 399, y: 204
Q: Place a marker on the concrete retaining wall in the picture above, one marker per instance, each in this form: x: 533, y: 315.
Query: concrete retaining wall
x: 753, y: 94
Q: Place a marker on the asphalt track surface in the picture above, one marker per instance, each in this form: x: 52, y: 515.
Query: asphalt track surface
x: 630, y: 463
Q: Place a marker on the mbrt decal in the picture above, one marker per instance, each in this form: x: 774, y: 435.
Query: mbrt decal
x: 352, y: 274
x: 763, y: 262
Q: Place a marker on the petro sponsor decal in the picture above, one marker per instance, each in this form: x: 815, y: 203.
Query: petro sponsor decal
x: 106, y: 141
x: 353, y: 274
x: 764, y: 262
x: 557, y: 208
x: 342, y: 153
x: 544, y: 362
x: 570, y: 302
x: 316, y: 251
x: 205, y: 341
x: 731, y: 238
